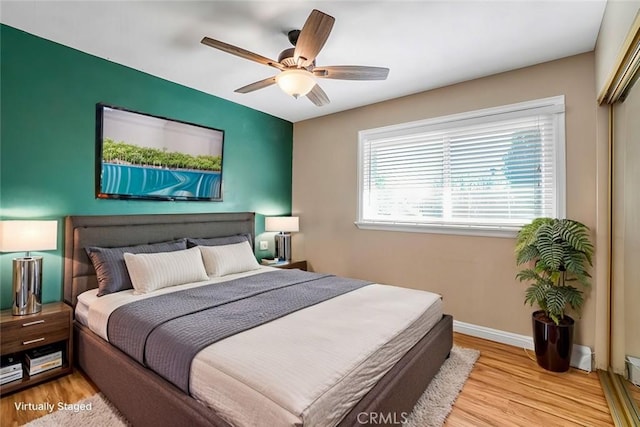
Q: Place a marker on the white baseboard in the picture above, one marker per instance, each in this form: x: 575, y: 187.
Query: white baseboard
x: 633, y: 370
x: 581, y: 356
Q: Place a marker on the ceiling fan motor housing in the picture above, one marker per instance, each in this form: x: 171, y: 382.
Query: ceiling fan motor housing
x: 293, y: 36
x: 286, y: 57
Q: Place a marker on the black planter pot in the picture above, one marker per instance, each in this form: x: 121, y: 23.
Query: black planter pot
x: 553, y: 343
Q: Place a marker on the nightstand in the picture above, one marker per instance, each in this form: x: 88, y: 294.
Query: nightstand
x: 20, y: 333
x: 302, y: 265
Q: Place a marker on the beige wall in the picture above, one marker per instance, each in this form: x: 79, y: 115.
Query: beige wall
x: 475, y: 275
x: 618, y: 18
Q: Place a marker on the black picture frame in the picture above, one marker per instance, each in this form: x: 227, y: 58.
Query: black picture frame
x: 148, y: 157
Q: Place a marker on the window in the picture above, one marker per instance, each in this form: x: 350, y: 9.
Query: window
x: 486, y: 172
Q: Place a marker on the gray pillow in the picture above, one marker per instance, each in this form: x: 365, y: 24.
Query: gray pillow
x: 219, y: 241
x: 111, y: 271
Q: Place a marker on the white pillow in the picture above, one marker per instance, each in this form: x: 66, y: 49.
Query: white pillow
x: 227, y: 259
x: 149, y: 272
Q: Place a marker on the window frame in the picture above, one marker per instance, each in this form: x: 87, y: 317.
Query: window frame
x: 552, y: 105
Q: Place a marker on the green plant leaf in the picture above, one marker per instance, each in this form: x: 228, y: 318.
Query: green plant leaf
x: 528, y: 274
x: 574, y: 297
x: 561, y: 251
x: 535, y: 294
x: 576, y: 234
x: 528, y: 253
x: 527, y: 234
x: 550, y: 249
x: 556, y: 301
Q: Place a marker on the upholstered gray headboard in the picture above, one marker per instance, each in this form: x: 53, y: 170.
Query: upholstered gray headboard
x: 127, y: 230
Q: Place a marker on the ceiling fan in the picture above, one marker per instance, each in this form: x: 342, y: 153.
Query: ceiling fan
x: 297, y: 65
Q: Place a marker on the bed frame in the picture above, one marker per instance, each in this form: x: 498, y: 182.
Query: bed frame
x: 145, y: 398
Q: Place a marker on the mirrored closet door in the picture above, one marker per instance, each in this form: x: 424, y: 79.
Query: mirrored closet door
x: 624, y: 97
x: 625, y: 277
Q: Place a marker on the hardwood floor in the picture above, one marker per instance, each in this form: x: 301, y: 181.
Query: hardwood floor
x: 506, y: 388
x: 67, y: 389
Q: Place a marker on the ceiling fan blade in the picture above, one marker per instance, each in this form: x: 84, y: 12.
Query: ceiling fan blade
x: 312, y: 38
x: 318, y: 96
x: 242, y: 53
x: 256, y: 85
x: 351, y: 72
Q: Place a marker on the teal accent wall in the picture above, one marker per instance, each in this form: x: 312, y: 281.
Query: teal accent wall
x: 48, y: 94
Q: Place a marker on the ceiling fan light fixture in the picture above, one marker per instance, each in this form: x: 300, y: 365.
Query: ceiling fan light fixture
x: 296, y: 82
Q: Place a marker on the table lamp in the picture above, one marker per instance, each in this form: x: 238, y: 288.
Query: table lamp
x: 284, y: 225
x: 26, y: 236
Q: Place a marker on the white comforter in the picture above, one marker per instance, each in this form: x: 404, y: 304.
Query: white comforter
x: 307, y: 368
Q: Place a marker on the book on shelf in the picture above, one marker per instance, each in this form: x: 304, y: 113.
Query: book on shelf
x: 41, y: 359
x: 11, y: 376
x: 43, y: 354
x: 10, y: 369
x: 36, y: 369
x: 10, y: 363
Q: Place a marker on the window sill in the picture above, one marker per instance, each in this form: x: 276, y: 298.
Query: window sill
x: 461, y: 230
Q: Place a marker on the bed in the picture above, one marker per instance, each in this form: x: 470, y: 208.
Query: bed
x: 147, y: 398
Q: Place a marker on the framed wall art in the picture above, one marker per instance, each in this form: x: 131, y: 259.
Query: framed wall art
x: 141, y: 156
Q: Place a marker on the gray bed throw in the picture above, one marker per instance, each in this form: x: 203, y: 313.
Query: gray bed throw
x: 165, y: 333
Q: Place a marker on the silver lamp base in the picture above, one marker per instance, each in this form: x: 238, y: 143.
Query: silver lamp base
x: 27, y: 285
x: 283, y: 246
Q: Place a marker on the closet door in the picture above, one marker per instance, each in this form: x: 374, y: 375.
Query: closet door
x: 625, y: 287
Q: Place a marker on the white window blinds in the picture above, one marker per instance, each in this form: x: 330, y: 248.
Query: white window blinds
x: 493, y: 169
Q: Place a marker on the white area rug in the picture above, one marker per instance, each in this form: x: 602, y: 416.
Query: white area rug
x: 431, y: 410
x: 101, y: 414
x: 436, y: 402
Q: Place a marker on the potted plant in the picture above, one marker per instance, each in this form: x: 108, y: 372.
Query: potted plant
x: 558, y: 252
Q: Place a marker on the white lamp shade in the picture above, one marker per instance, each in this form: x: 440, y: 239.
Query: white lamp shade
x: 285, y: 224
x: 296, y: 82
x: 25, y: 236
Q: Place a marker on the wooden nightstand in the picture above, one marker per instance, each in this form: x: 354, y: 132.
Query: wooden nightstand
x: 302, y: 265
x: 20, y: 333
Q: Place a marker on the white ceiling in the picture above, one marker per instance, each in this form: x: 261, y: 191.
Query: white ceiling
x: 426, y: 44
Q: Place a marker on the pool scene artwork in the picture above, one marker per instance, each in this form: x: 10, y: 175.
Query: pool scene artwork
x: 148, y: 157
